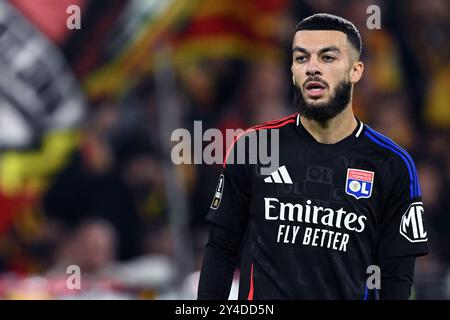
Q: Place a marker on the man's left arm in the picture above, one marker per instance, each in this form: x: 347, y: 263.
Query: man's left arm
x: 402, y: 231
x: 397, y: 275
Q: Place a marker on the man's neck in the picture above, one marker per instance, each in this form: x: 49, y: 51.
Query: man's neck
x: 333, y: 130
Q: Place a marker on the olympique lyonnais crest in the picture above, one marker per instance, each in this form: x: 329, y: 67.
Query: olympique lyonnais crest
x: 359, y: 183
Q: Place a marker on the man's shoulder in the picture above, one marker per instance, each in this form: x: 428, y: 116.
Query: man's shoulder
x: 385, y: 146
x: 282, y: 125
x: 259, y: 139
x: 399, y: 161
x: 275, y: 124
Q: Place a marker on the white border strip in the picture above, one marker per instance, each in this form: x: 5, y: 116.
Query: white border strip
x: 360, y: 129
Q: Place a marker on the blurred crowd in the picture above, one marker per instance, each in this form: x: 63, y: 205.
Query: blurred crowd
x: 86, y: 177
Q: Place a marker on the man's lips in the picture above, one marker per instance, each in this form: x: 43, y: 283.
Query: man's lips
x: 315, y: 88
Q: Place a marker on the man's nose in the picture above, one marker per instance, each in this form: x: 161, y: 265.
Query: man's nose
x: 312, y: 68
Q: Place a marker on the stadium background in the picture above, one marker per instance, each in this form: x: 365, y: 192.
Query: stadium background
x: 86, y: 117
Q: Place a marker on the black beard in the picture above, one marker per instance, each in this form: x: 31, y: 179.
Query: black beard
x: 324, y: 111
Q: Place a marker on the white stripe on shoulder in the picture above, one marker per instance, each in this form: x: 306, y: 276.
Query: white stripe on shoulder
x: 361, y: 126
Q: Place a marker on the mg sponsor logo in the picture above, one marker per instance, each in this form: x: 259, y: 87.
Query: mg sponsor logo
x: 411, y: 226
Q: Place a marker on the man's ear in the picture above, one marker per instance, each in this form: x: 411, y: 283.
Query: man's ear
x: 292, y: 71
x: 356, y: 71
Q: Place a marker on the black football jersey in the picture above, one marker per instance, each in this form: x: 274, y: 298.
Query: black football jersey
x: 318, y: 220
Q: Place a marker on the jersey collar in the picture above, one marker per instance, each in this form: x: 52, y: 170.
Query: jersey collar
x: 350, y: 139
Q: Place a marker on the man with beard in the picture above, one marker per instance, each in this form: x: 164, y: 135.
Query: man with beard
x: 342, y: 217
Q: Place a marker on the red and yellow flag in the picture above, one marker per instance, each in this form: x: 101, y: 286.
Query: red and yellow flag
x: 190, y: 30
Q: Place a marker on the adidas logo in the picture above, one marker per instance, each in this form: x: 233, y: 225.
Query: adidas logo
x: 279, y: 176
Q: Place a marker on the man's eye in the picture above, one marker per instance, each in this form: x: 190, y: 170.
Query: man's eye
x: 328, y: 58
x: 300, y: 58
